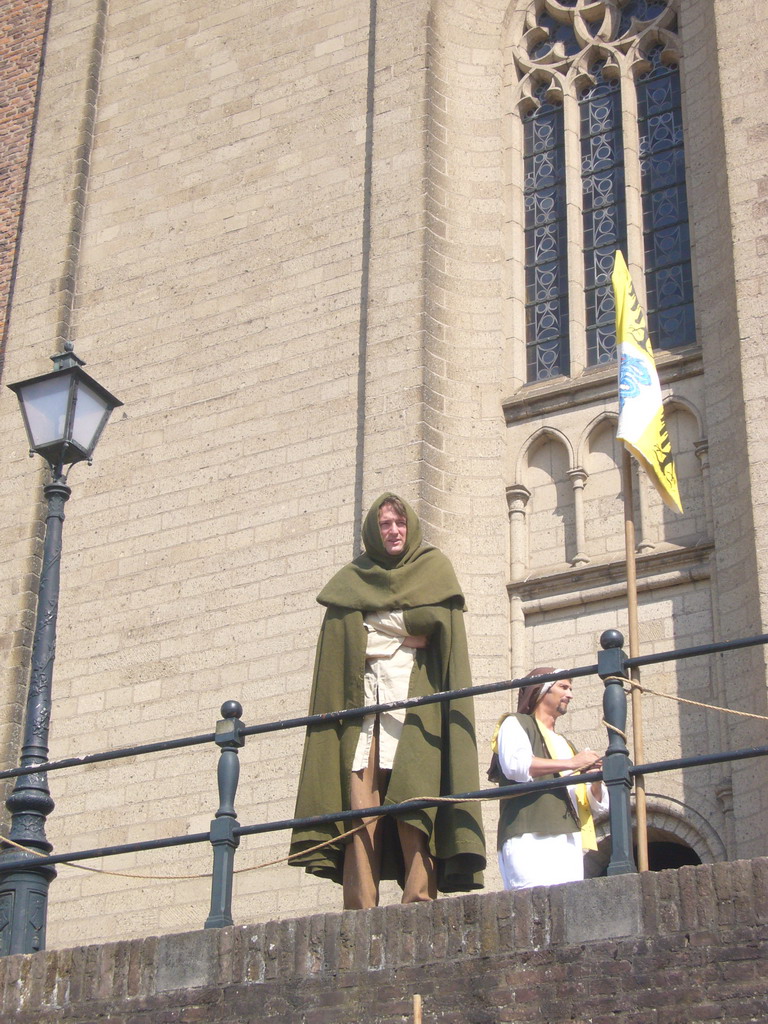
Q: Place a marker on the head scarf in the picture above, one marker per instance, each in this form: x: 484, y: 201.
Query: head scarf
x: 529, y: 696
x: 373, y: 542
x: 376, y: 581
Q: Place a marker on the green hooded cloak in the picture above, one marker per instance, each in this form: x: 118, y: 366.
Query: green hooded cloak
x: 437, y: 752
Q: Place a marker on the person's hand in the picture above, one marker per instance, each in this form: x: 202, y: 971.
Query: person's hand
x: 417, y: 642
x: 586, y: 760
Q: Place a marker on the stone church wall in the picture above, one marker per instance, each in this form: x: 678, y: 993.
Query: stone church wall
x: 280, y: 233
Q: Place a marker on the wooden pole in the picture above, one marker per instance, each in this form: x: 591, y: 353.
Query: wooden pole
x: 634, y: 650
x: 417, y: 1010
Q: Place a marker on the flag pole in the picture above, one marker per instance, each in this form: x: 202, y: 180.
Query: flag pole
x: 645, y: 435
x: 634, y: 650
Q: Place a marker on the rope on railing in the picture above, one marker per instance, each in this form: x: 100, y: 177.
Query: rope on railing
x: 685, y: 700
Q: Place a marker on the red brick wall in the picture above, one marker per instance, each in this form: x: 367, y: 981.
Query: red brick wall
x: 677, y: 947
x: 22, y: 37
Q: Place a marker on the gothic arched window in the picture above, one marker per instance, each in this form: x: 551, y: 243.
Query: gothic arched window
x: 598, y: 93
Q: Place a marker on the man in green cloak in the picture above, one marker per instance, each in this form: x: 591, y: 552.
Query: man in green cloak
x: 393, y: 629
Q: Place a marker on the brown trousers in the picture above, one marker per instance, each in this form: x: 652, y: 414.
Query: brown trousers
x: 362, y: 857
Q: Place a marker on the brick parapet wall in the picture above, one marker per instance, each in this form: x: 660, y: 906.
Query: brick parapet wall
x: 22, y: 33
x: 679, y: 946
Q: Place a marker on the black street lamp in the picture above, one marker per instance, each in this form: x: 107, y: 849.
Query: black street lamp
x: 64, y: 413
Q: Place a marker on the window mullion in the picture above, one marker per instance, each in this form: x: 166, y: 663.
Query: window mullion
x: 575, y: 229
x: 633, y: 185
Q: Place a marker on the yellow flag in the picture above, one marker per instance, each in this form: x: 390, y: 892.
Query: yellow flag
x: 641, y: 412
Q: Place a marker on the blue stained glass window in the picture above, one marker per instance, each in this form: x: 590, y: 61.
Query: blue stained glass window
x: 641, y: 10
x: 665, y: 206
x: 545, y: 243
x: 557, y: 33
x: 603, y: 206
x: 667, y: 259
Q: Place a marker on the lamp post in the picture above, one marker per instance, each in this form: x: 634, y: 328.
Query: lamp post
x: 64, y: 414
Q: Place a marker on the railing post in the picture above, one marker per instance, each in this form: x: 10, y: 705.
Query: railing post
x: 611, y: 666
x: 223, y: 840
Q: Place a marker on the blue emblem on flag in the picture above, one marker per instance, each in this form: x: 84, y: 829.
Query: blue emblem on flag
x: 633, y: 377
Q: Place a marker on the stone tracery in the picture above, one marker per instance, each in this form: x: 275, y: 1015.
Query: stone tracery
x: 597, y: 92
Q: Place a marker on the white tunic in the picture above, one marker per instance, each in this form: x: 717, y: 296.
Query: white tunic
x: 532, y: 858
x: 388, y: 667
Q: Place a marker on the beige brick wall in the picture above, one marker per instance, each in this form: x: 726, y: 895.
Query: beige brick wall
x: 218, y: 295
x: 233, y: 176
x: 732, y: 310
x: 286, y: 244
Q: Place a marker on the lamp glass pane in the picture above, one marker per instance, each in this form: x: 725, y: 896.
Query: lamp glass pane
x: 90, y: 411
x: 45, y: 405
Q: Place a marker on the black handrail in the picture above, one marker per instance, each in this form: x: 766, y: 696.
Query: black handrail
x: 495, y: 793
x: 225, y: 833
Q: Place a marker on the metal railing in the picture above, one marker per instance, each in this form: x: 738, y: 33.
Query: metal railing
x: 225, y: 832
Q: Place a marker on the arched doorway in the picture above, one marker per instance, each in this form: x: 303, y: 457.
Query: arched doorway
x: 665, y: 850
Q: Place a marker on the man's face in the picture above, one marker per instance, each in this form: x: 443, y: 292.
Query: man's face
x: 557, y: 699
x: 394, y: 529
